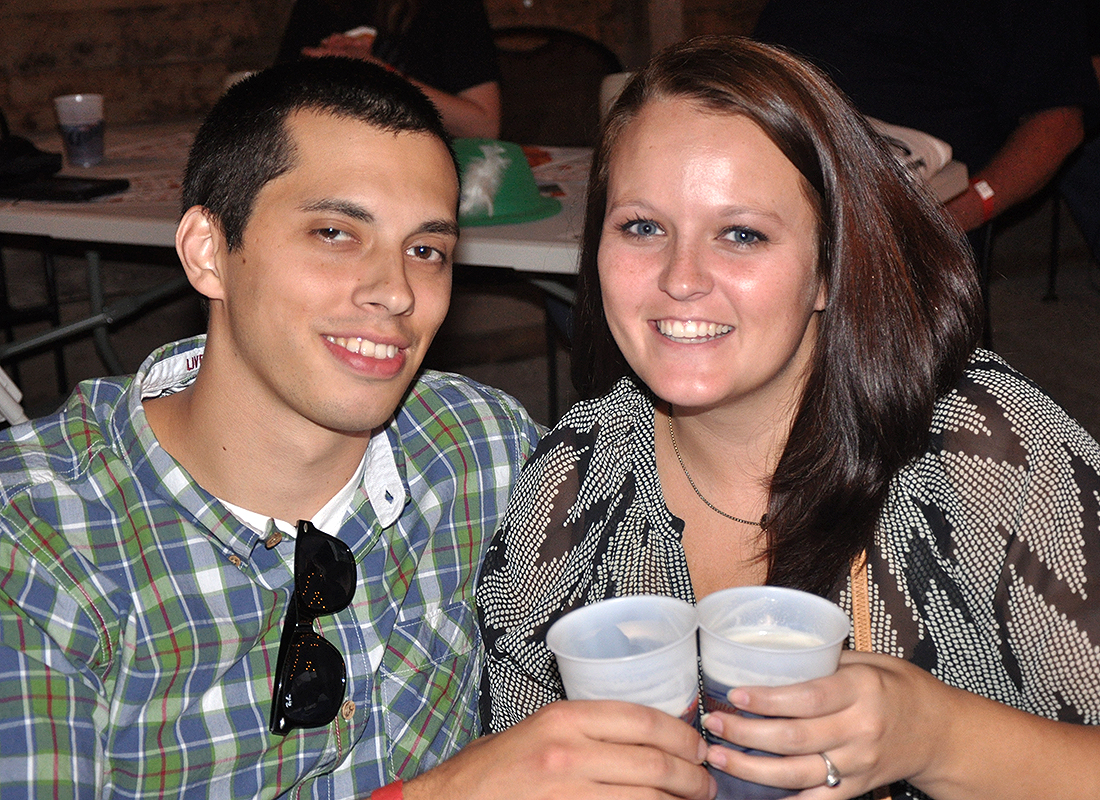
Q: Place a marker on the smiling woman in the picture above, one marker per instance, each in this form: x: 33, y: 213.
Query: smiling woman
x: 708, y: 262
x: 777, y: 328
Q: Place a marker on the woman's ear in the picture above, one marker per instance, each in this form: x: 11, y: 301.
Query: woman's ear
x: 202, y: 249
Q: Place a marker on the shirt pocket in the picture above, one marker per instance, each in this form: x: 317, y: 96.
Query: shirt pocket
x: 428, y: 687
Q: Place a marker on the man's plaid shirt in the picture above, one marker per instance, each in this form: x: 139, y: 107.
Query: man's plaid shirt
x: 141, y: 620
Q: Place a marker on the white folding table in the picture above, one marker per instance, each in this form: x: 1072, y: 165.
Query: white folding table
x: 152, y: 157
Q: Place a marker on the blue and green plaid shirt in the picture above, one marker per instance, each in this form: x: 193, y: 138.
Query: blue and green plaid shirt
x: 141, y: 620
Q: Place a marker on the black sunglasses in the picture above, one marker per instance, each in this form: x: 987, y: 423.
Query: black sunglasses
x: 310, y: 673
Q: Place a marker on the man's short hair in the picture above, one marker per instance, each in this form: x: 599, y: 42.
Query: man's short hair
x: 244, y: 143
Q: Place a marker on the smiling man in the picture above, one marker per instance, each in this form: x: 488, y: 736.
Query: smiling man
x: 248, y: 570
x: 156, y: 582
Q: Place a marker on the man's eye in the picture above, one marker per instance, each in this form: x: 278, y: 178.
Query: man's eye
x: 641, y: 227
x: 425, y: 252
x: 332, y: 234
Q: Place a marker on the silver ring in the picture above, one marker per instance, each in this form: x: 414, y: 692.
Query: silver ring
x: 832, y: 774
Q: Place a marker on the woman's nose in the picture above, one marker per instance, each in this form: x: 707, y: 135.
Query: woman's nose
x: 685, y: 275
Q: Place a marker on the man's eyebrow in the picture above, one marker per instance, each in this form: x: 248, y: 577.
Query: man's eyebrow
x: 352, y: 210
x: 343, y: 207
x: 444, y: 227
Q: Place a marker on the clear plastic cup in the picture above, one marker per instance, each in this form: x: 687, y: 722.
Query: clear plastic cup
x: 764, y: 636
x: 640, y: 648
x: 80, y: 119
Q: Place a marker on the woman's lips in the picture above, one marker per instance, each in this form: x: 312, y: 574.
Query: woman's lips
x: 691, y: 331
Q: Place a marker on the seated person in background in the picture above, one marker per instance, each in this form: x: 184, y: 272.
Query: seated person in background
x: 1003, y: 81
x: 445, y: 47
x: 1080, y: 180
x: 166, y: 629
x: 779, y: 330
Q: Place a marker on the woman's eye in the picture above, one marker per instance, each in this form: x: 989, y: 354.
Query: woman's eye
x: 642, y: 227
x: 744, y: 236
x: 425, y: 252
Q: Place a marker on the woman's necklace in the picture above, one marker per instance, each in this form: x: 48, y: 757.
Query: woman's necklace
x: 672, y: 435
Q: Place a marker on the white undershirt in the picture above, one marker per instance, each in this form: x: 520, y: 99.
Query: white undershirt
x: 377, y: 471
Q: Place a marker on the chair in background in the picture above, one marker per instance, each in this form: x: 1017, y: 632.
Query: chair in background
x: 550, y: 95
x: 10, y: 409
x: 982, y: 241
x: 47, y: 311
x: 550, y: 85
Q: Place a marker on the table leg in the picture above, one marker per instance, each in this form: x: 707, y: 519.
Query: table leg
x: 103, y: 344
x: 102, y: 316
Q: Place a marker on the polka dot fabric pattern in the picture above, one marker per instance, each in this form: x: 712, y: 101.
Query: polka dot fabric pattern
x: 984, y: 569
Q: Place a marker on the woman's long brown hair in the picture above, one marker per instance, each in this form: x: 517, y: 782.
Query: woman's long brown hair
x: 903, y: 311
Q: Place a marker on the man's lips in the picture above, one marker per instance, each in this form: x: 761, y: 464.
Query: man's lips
x: 365, y: 347
x: 691, y: 331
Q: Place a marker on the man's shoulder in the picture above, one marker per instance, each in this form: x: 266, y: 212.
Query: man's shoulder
x: 446, y: 399
x: 59, y: 447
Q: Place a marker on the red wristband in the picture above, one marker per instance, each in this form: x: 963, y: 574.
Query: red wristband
x: 391, y: 791
x: 985, y: 192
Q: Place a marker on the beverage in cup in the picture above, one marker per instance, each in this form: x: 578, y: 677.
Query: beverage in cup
x: 639, y: 648
x: 763, y: 636
x: 80, y: 119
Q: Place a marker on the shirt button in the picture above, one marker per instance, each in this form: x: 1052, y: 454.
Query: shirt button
x: 347, y: 711
x: 235, y: 560
x: 273, y: 540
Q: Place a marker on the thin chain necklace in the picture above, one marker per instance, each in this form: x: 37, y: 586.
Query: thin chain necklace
x: 672, y: 435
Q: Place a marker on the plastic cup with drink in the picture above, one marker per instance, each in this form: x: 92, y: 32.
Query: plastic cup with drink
x: 763, y: 636
x: 80, y: 119
x: 639, y: 648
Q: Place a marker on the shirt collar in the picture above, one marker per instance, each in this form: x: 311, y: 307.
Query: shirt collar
x: 174, y: 367
x: 377, y: 472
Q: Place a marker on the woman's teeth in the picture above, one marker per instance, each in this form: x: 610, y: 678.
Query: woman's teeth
x: 364, y: 347
x: 691, y: 330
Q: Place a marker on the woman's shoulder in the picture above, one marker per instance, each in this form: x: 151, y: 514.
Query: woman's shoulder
x: 993, y: 403
x: 610, y: 420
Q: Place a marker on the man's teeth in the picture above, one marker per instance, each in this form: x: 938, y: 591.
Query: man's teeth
x: 364, y: 347
x: 676, y: 329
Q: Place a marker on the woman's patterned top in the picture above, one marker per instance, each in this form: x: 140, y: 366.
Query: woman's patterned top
x: 982, y: 569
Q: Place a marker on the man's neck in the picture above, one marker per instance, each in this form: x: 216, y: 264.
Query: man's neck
x: 283, y: 469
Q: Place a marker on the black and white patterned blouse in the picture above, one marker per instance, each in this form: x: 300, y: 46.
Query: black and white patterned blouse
x: 983, y: 570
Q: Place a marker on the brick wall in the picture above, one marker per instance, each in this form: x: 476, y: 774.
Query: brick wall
x: 152, y: 59
x: 163, y: 59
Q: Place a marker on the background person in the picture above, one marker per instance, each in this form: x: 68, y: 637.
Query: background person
x: 445, y: 47
x: 778, y: 328
x: 1004, y: 82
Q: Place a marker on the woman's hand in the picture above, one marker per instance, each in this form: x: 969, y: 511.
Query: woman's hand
x: 881, y: 719
x: 878, y: 719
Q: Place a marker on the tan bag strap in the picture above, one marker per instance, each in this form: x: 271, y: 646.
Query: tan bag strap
x: 861, y: 625
x: 861, y: 604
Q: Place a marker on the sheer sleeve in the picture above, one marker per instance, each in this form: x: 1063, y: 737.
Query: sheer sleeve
x: 992, y: 550
x: 586, y: 521
x: 521, y: 591
x: 1046, y: 604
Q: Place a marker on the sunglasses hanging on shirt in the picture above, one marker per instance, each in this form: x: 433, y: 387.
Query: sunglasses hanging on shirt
x: 310, y: 673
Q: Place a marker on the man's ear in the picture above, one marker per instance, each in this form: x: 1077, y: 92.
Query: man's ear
x: 202, y: 249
